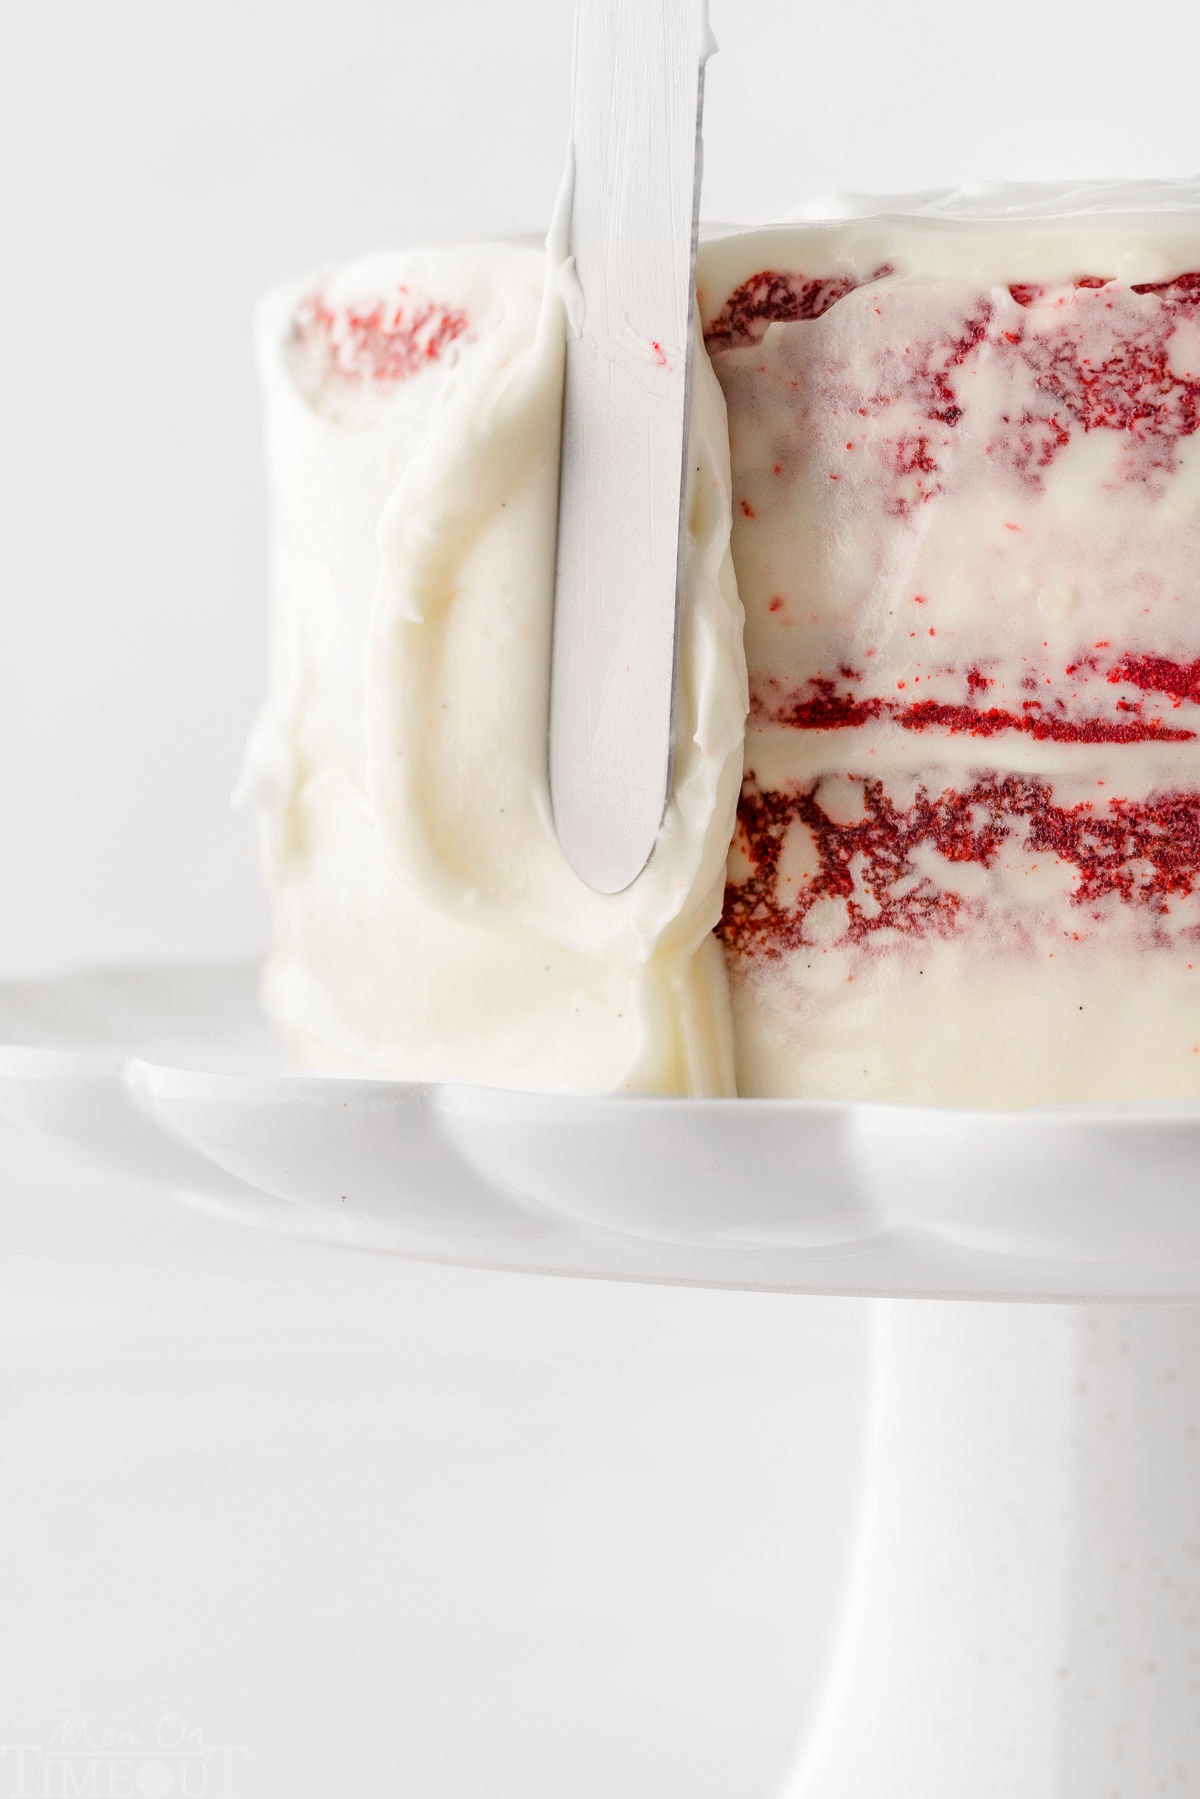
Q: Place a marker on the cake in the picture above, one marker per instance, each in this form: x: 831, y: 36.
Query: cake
x: 935, y: 833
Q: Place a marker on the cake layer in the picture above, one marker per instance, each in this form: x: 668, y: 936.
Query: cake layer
x: 966, y: 486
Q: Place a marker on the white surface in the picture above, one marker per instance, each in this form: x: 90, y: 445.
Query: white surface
x: 408, y: 1529
x: 169, y: 1075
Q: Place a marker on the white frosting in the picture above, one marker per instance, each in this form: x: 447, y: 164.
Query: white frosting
x: 1017, y: 201
x: 426, y: 923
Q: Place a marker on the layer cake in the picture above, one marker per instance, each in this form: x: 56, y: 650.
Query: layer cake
x: 949, y: 446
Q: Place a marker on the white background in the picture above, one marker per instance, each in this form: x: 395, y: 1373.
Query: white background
x: 163, y: 162
x: 466, y: 1534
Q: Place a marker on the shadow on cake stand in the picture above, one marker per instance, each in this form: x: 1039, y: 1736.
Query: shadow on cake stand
x: 1021, y: 1614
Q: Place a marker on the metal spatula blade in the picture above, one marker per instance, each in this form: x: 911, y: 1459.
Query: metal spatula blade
x: 639, y: 77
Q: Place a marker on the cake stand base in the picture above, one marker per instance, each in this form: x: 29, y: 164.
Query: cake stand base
x: 1022, y: 1617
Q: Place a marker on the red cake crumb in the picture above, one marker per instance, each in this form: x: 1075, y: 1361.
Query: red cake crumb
x: 772, y: 296
x: 1134, y: 390
x: 1139, y: 852
x: 1027, y: 293
x: 829, y: 705
x: 1155, y: 674
x: 391, y: 341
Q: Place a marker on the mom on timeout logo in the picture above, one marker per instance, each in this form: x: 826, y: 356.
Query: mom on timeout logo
x: 82, y: 1760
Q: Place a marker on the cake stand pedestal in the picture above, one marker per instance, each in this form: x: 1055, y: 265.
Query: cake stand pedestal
x: 1021, y: 1610
x: 1022, y: 1614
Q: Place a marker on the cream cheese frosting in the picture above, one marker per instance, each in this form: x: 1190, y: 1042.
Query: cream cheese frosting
x: 954, y: 440
x: 425, y: 922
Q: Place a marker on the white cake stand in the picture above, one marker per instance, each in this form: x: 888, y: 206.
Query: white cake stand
x: 1022, y: 1602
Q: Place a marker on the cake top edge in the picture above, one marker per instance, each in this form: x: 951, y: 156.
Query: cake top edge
x: 1004, y: 201
x: 977, y: 203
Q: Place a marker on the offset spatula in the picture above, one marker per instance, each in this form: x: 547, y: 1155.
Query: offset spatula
x: 639, y: 80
